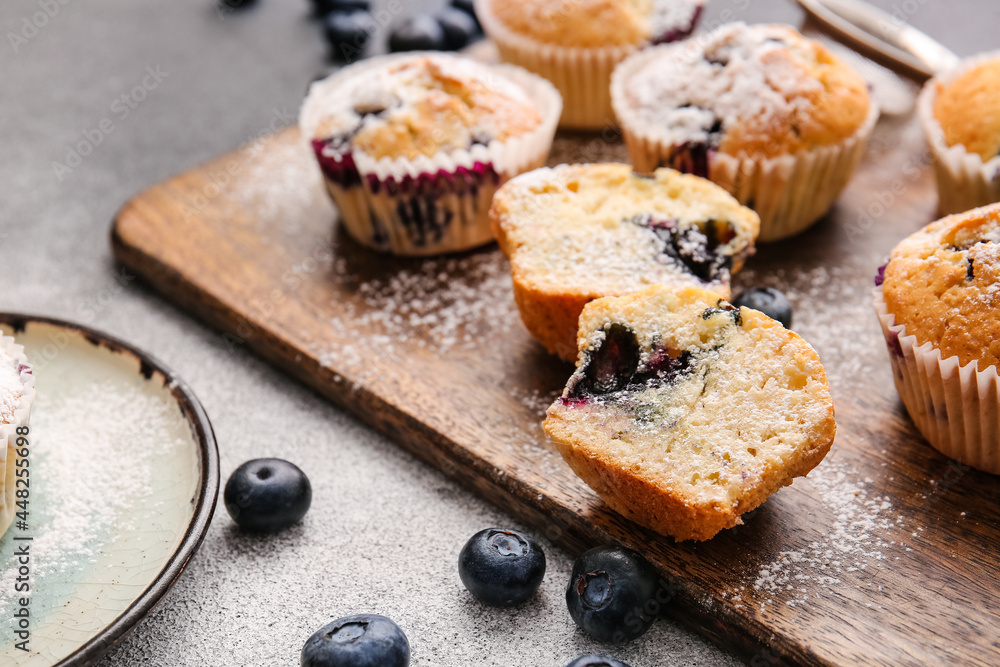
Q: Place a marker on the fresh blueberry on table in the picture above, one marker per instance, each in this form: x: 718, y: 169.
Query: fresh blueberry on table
x: 348, y: 33
x: 613, y: 594
x: 769, y: 301
x: 467, y: 6
x: 324, y: 7
x: 236, y: 4
x: 364, y: 640
x: 596, y: 661
x: 266, y: 495
x: 460, y: 29
x: 418, y: 33
x: 502, y: 568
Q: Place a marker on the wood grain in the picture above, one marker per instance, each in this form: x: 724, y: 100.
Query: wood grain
x: 248, y: 243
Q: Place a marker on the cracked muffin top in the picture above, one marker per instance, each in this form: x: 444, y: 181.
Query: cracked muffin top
x: 424, y: 105
x: 943, y: 284
x: 760, y: 90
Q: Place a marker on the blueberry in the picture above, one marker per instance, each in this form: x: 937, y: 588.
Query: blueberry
x: 364, y: 640
x: 469, y: 7
x: 460, y: 29
x: 348, y: 33
x: 418, y: 33
x: 236, y: 4
x: 266, y: 495
x: 501, y: 567
x: 613, y: 594
x: 612, y: 364
x: 324, y: 7
x: 596, y: 661
x: 769, y: 301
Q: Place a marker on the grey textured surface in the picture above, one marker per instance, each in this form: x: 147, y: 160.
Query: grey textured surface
x: 384, y: 530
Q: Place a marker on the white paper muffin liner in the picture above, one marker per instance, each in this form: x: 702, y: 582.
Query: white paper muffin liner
x: 956, y: 408
x: 8, y: 431
x: 582, y: 75
x: 964, y: 181
x: 449, y: 192
x: 788, y: 192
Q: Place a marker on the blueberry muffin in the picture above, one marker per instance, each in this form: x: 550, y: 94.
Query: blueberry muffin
x: 937, y: 299
x: 578, y: 232
x: 685, y: 412
x: 960, y: 112
x: 413, y: 146
x: 576, y: 44
x: 769, y: 115
x: 17, y: 391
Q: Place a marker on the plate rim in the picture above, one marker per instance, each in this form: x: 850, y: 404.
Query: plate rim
x: 208, y: 484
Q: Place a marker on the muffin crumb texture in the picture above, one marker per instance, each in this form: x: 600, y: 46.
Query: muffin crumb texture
x: 943, y: 284
x: 686, y: 412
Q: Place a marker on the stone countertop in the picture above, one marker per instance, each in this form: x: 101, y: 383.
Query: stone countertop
x: 156, y: 87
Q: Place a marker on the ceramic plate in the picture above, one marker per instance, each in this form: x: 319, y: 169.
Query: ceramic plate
x: 123, y: 484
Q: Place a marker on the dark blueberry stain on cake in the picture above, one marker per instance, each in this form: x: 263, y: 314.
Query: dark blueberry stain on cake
x: 724, y: 307
x: 615, y: 364
x: 611, y: 365
x: 970, y: 273
x: 698, y: 249
x: 880, y: 275
x: 675, y: 34
x: 480, y: 139
x: 892, y: 342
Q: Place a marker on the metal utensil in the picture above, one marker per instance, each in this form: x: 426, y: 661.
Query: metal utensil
x: 887, y: 47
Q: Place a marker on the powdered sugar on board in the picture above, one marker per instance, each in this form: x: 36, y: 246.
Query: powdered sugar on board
x: 438, y: 305
x: 10, y: 386
x: 862, y: 532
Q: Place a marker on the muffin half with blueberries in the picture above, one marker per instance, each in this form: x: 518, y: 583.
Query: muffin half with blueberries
x: 574, y: 233
x: 576, y: 44
x: 17, y: 392
x: 686, y: 412
x: 960, y: 112
x: 937, y: 300
x: 413, y: 146
x: 769, y: 115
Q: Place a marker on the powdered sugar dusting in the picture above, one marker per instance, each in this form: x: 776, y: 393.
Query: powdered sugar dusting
x: 847, y: 336
x: 860, y: 538
x: 730, y: 76
x: 439, y: 305
x: 93, y: 453
x: 10, y: 386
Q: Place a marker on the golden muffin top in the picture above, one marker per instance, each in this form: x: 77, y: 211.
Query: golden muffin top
x: 595, y: 23
x: 968, y: 109
x: 943, y: 284
x: 424, y: 105
x: 744, y: 90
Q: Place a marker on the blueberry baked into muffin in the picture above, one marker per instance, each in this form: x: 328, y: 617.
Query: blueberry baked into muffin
x: 769, y: 115
x: 17, y: 392
x: 413, y: 146
x: 960, y: 112
x: 937, y: 300
x: 574, y: 233
x: 685, y: 412
x: 576, y: 44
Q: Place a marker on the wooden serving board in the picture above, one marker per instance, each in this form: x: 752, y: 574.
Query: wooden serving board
x: 885, y: 554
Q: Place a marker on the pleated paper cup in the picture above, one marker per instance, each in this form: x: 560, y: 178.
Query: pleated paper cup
x: 9, y: 431
x: 964, y: 181
x: 788, y: 192
x: 956, y: 408
x: 431, y: 204
x: 582, y: 75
